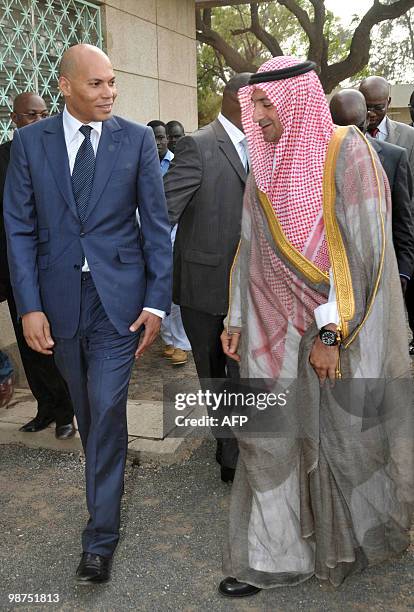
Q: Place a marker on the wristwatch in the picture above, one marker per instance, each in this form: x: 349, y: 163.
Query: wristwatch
x: 328, y: 337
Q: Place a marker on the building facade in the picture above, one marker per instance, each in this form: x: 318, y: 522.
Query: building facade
x: 151, y: 44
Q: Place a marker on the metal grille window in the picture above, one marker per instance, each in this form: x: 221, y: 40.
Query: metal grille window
x: 33, y: 36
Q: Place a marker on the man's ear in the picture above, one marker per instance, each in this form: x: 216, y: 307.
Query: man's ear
x: 13, y: 116
x: 64, y: 86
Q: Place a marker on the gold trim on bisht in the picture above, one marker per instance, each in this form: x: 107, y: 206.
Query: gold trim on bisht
x: 337, y: 253
x: 236, y: 256
x: 295, y: 257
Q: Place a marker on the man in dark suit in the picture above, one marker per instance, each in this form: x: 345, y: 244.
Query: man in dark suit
x: 86, y: 279
x: 377, y: 94
x: 204, y: 189
x: 348, y: 107
x: 45, y: 380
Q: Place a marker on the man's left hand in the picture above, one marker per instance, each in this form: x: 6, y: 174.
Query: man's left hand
x: 152, y: 324
x: 324, y: 359
x: 404, y: 283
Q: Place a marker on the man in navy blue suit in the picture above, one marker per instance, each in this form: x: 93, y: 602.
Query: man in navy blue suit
x: 86, y: 279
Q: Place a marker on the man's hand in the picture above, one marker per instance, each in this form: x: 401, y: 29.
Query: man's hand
x: 36, y: 330
x: 152, y: 324
x: 324, y: 359
x: 404, y: 283
x: 230, y: 343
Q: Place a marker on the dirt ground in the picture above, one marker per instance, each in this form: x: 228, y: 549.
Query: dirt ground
x: 169, y: 557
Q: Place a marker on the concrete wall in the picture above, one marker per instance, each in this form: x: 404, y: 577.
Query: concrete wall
x: 153, y: 49
x: 400, y: 97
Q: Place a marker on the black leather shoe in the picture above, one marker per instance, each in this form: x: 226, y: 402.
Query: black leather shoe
x: 64, y: 432
x: 93, y: 569
x: 230, y: 587
x: 37, y: 424
x: 227, y: 474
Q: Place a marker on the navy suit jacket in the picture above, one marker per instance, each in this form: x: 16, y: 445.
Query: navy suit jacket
x: 131, y: 266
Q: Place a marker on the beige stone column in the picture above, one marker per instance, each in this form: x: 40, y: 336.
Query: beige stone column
x: 153, y: 49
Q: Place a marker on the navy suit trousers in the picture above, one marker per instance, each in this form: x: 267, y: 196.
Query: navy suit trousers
x: 96, y: 364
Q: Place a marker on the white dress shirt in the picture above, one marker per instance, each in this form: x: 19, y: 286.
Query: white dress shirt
x: 73, y: 140
x: 382, y: 130
x: 238, y: 139
x: 328, y: 312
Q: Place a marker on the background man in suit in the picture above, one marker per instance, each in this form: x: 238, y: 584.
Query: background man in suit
x: 175, y: 131
x: 45, y: 380
x: 172, y: 330
x: 204, y: 190
x: 348, y: 108
x: 85, y: 278
x: 376, y: 91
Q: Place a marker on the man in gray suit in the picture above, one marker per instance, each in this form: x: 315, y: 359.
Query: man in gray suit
x: 376, y: 91
x: 204, y: 189
x: 348, y: 108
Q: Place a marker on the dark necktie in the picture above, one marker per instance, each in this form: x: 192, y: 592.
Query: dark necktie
x: 82, y: 174
x: 374, y: 132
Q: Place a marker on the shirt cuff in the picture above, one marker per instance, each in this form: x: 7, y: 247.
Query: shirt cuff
x: 159, y: 313
x: 326, y: 313
x: 405, y: 276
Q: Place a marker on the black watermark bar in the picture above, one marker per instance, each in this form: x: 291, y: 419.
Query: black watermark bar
x: 289, y: 408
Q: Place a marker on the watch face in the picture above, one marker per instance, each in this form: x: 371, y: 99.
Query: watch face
x: 328, y: 337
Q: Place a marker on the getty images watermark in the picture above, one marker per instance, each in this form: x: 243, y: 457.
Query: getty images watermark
x: 227, y: 402
x: 291, y: 409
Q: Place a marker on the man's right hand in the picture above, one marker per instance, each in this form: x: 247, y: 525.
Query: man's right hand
x: 230, y: 343
x: 36, y: 330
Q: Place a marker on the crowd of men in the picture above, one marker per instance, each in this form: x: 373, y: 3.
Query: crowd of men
x: 293, y: 246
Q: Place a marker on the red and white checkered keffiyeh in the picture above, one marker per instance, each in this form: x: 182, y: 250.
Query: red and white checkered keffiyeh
x: 291, y: 171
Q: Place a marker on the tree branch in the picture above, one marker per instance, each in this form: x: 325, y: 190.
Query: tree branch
x: 261, y: 34
x: 206, y: 35
x: 358, y: 56
x: 300, y: 14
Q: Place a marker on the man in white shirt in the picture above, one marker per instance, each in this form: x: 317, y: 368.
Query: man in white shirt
x: 204, y: 189
x: 86, y: 280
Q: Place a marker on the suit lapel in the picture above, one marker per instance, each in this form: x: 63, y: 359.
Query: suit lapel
x: 106, y: 156
x: 376, y: 144
x: 393, y: 131
x: 229, y: 149
x: 56, y: 153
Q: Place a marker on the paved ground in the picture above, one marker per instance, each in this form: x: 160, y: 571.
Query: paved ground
x: 153, y: 371
x: 170, y: 554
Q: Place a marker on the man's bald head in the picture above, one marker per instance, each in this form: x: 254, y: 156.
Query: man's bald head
x: 348, y: 107
x: 375, y: 86
x: 28, y: 107
x: 376, y: 91
x: 87, y: 81
x: 74, y: 59
x: 230, y: 106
